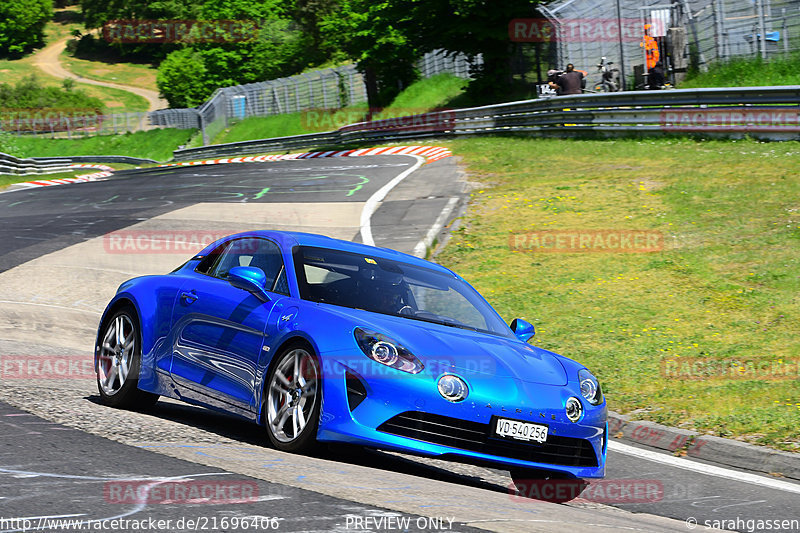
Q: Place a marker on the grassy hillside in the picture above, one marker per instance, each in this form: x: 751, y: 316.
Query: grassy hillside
x: 723, y: 291
x: 64, y: 22
x: 153, y: 144
x: 424, y: 95
x: 747, y: 72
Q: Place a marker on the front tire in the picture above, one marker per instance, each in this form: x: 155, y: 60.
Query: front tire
x: 293, y: 392
x: 119, y: 359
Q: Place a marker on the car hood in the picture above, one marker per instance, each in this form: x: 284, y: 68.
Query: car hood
x: 469, y: 353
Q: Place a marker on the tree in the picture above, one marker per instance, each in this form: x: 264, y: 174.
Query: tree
x: 181, y: 78
x: 471, y: 27
x: 188, y: 76
x: 386, y: 37
x: 22, y: 24
x: 362, y: 30
x: 97, y: 13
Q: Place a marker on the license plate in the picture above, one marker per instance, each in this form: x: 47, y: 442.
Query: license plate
x: 516, y: 429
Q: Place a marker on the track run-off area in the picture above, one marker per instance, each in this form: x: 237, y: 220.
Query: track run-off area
x: 65, y: 249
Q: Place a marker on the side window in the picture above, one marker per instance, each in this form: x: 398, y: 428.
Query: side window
x: 207, y: 263
x: 254, y: 252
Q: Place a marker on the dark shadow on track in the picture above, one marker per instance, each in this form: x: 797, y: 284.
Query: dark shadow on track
x: 233, y: 428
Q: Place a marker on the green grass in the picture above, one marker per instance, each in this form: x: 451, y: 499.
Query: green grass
x: 289, y: 124
x: 114, y: 100
x: 112, y: 70
x: 427, y: 94
x: 724, y: 288
x: 747, y: 72
x: 155, y: 144
x: 421, y: 96
x: 64, y: 21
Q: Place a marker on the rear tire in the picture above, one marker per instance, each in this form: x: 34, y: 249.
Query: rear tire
x: 119, y: 359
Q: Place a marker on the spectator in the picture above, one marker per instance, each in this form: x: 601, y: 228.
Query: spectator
x: 655, y: 78
x: 570, y: 82
x: 650, y: 48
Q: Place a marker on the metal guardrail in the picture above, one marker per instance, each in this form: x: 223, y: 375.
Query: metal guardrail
x: 763, y: 112
x: 125, y: 159
x: 50, y: 165
x: 21, y: 166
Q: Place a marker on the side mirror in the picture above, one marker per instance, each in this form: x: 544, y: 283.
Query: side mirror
x: 251, y: 279
x: 522, y: 329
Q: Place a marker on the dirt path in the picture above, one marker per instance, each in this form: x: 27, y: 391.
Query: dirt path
x: 48, y: 60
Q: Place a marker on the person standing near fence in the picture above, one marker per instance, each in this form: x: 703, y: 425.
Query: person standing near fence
x: 570, y: 82
x: 656, y: 78
x: 650, y: 45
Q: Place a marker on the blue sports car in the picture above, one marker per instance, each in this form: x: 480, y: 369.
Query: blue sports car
x: 321, y: 340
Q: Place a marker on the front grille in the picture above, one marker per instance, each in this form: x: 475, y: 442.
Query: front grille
x: 475, y: 437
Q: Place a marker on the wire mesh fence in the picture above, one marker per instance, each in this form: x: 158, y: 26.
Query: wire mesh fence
x: 331, y: 88
x: 688, y: 32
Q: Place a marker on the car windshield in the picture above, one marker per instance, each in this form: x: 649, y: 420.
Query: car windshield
x: 393, y: 288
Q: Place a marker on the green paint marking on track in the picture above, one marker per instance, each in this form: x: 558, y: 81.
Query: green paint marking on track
x: 350, y: 192
x: 364, y: 181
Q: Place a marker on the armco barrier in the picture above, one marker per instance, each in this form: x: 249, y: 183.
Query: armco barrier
x: 49, y: 165
x: 771, y: 113
x: 15, y: 165
x: 128, y: 160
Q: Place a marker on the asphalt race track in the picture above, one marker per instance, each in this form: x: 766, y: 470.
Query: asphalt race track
x: 64, y: 456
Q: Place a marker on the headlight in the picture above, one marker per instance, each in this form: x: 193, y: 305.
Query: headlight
x: 574, y: 409
x: 590, y: 387
x: 386, y: 351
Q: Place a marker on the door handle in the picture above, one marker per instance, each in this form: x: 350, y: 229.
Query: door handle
x: 189, y: 297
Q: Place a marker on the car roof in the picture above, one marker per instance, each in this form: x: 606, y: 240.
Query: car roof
x: 289, y: 239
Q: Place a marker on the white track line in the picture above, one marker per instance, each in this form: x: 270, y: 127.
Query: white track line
x: 703, y: 468
x: 372, y: 203
x: 441, y: 220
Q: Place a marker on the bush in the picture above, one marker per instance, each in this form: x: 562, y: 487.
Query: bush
x: 30, y: 94
x: 181, y: 78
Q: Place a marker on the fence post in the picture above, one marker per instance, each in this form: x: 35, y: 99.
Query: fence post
x: 202, y: 127
x: 785, y: 33
x: 322, y: 77
x: 718, y: 44
x: 762, y: 38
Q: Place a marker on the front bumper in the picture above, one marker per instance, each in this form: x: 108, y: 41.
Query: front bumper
x: 405, y: 412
